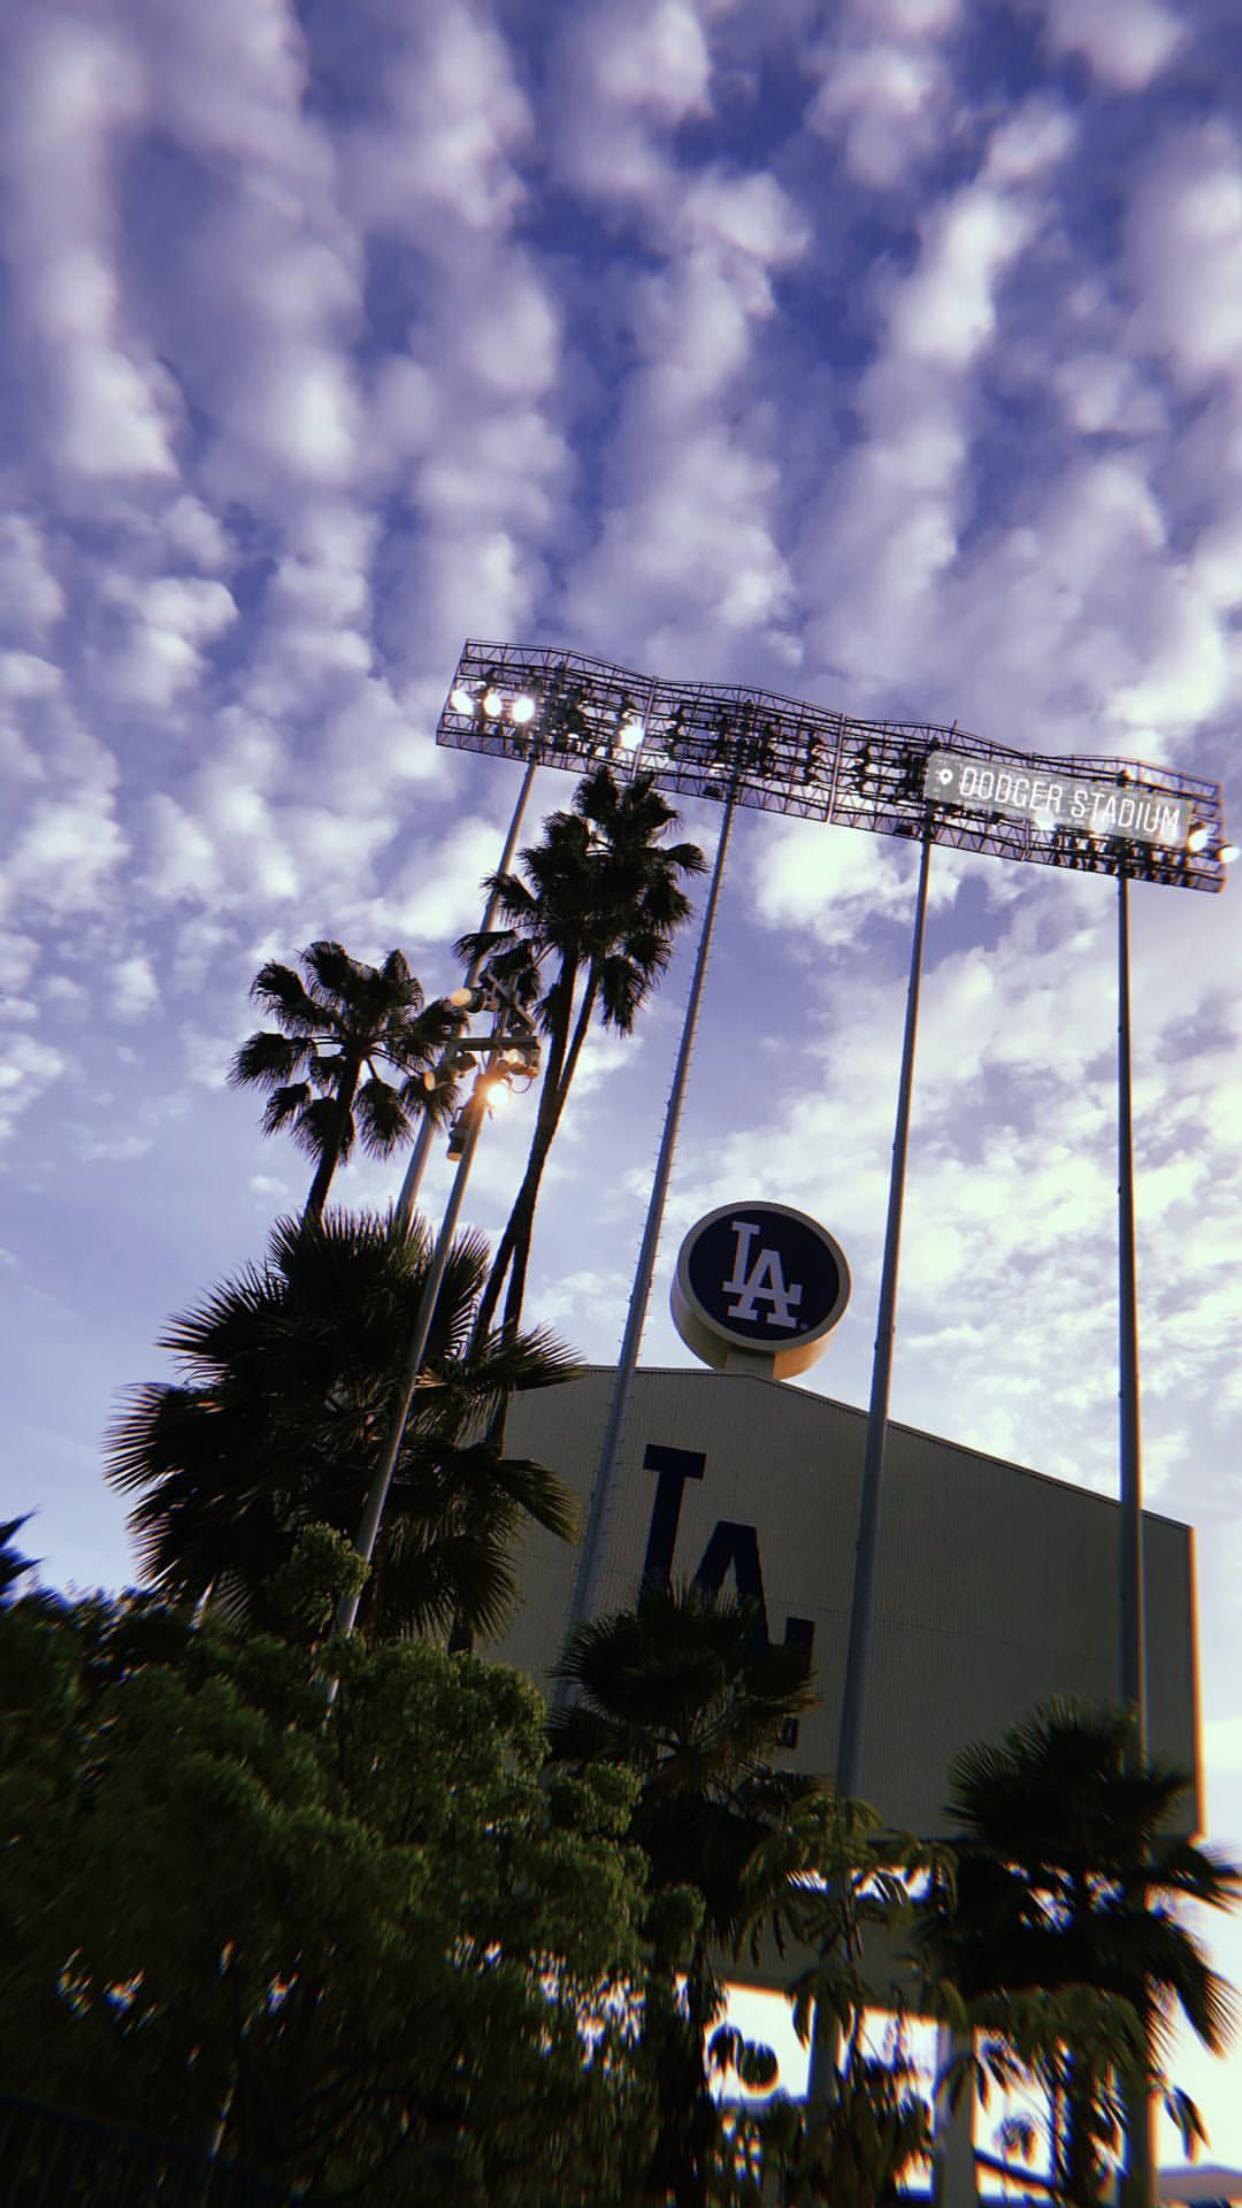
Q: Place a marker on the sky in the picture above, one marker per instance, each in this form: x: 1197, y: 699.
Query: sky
x: 887, y: 354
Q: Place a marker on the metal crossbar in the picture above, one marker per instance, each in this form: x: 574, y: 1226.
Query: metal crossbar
x: 781, y: 755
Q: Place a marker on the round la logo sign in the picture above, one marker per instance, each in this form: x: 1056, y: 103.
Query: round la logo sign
x: 762, y: 1281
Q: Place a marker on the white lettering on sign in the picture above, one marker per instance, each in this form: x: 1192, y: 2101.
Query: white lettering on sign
x: 1054, y: 801
x: 762, y: 1282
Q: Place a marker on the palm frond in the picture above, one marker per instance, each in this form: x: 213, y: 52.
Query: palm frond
x: 481, y: 1470
x: 285, y: 1105
x: 267, y: 1058
x: 425, y: 1581
x: 315, y: 1128
x: 383, y: 1117
x: 13, y: 1566
x: 396, y: 972
x: 338, y: 975
x: 284, y: 994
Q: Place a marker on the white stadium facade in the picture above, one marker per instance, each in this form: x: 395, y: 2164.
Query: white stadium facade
x: 997, y: 1587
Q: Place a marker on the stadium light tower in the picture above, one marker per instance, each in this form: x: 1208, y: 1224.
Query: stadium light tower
x: 933, y: 785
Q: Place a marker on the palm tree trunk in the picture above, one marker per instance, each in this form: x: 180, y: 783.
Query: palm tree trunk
x: 524, y: 1222
x: 560, y: 1013
x: 331, y: 1157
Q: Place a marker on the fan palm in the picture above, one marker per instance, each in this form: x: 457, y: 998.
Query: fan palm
x: 684, y: 1691
x: 337, y: 1021
x: 590, y: 929
x: 1068, y: 1875
x: 290, y: 1373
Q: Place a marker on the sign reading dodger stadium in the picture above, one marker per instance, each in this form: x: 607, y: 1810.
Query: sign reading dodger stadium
x: 1073, y: 804
x: 996, y: 1586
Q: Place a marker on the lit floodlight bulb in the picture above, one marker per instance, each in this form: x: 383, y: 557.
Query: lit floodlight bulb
x: 522, y: 710
x: 1227, y: 853
x: 631, y: 733
x: 1198, y: 838
x: 461, y: 700
x: 493, y: 704
x: 1045, y: 822
x: 496, y: 1091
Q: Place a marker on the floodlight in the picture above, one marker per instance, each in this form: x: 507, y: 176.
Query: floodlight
x: 461, y: 700
x: 742, y: 746
x: 1227, y: 853
x: 522, y: 710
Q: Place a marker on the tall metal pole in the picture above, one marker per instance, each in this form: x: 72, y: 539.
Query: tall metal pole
x: 1133, y: 1619
x: 404, y: 1208
x: 852, y: 1743
x: 377, y: 1496
x: 1139, y: 2108
x: 591, y: 1555
x: 862, y: 1609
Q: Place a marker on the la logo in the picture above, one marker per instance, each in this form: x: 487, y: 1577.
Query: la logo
x: 760, y: 1282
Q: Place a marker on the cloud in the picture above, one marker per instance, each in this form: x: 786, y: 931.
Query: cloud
x: 1184, y: 253
x: 134, y: 990
x: 28, y: 1067
x: 455, y: 122
x: 75, y: 93
x: 168, y: 622
x: 886, y: 97
x: 1126, y: 47
x: 689, y: 549
x: 632, y: 73
x: 67, y: 853
x: 31, y: 598
x: 828, y: 885
x: 436, y: 893
x: 462, y: 419
x: 884, y: 535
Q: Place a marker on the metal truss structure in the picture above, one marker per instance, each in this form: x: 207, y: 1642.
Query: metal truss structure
x: 784, y: 756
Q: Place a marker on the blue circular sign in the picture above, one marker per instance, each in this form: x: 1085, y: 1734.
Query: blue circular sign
x: 763, y: 1278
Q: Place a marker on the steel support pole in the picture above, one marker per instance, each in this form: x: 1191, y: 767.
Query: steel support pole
x: 1139, y: 2185
x: 404, y: 1209
x: 373, y: 1511
x: 1132, y: 1607
x: 591, y: 1555
x: 852, y: 1742
x: 850, y: 1755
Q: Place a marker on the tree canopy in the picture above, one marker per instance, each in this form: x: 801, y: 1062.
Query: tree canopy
x: 390, y: 1960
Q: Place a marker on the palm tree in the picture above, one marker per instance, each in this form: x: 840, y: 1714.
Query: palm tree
x: 13, y: 1566
x: 854, y: 2149
x: 1069, y: 1876
x: 338, y: 1020
x: 683, y: 1691
x: 290, y: 1372
x: 590, y: 929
